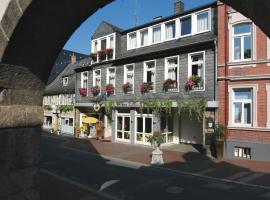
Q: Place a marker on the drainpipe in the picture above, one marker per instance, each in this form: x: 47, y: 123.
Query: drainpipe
x: 226, y: 63
x: 215, y: 79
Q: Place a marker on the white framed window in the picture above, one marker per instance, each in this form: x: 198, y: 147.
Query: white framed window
x: 196, y: 69
x: 103, y: 48
x: 84, y: 80
x: 202, y: 21
x: 242, y: 41
x: 65, y: 81
x: 186, y: 26
x: 144, y: 37
x: 242, y: 152
x: 172, y: 71
x: 242, y: 106
x: 156, y: 37
x: 129, y: 75
x: 149, y: 74
x: 97, y: 78
x: 111, y: 76
x: 111, y: 42
x: 132, y: 40
x: 95, y: 48
x: 170, y: 32
x: 103, y: 43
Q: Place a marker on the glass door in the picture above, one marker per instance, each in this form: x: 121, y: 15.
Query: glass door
x: 123, y: 128
x: 144, y: 129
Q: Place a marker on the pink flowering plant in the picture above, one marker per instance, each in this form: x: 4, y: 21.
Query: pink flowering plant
x: 109, y: 89
x: 127, y: 87
x: 193, y: 81
x: 95, y: 90
x: 83, y: 91
x: 146, y: 87
x: 189, y: 84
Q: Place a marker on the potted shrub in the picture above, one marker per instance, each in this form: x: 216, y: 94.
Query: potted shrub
x: 109, y: 89
x: 219, y: 137
x: 95, y: 90
x: 127, y: 87
x: 83, y: 91
x: 169, y: 84
x: 156, y: 139
x: 146, y: 87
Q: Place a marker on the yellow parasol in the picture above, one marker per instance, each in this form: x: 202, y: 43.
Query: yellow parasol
x: 90, y: 120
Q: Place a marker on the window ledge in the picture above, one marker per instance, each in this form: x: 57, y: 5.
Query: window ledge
x: 250, y: 128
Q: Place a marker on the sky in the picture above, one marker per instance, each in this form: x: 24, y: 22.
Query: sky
x: 122, y: 13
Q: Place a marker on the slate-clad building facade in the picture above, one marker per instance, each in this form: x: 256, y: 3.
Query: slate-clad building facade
x: 59, y: 95
x: 151, y: 61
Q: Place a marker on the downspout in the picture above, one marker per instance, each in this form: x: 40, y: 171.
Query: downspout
x: 226, y: 63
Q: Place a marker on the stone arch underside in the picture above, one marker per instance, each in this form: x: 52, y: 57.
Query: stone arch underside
x: 32, y: 33
x: 258, y: 11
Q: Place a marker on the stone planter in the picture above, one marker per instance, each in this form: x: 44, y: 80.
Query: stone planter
x: 219, y: 144
x: 157, y: 154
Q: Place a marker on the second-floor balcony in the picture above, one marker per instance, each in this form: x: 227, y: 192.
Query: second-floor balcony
x: 102, y: 55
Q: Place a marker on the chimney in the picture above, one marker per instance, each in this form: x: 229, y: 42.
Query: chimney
x: 73, y: 58
x: 179, y: 7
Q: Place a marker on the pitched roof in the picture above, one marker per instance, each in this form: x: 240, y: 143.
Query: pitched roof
x: 62, y: 61
x: 105, y: 28
x: 63, y: 69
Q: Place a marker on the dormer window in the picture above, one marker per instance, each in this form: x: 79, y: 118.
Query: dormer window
x: 65, y: 81
x: 132, y: 40
x: 157, y: 34
x: 103, y: 44
x: 203, y: 21
x: 103, y: 49
x: 170, y: 30
x: 185, y: 26
x: 144, y: 37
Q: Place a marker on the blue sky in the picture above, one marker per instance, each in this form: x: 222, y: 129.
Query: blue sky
x: 121, y: 14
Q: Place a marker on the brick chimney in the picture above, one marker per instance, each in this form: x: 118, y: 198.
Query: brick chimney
x: 179, y: 7
x: 73, y: 58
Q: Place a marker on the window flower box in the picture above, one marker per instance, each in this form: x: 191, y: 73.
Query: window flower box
x: 169, y: 84
x: 95, y: 90
x: 109, y: 89
x: 101, y: 55
x: 83, y: 91
x: 108, y: 52
x: 127, y: 87
x: 193, y: 82
x: 94, y: 56
x: 146, y: 87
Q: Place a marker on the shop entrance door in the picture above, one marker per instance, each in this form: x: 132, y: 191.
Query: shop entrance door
x: 144, y: 129
x: 123, y: 128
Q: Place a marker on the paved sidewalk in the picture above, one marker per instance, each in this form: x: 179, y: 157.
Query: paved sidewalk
x: 244, y: 171
x: 53, y: 188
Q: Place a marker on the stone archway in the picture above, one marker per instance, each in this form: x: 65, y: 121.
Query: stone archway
x: 32, y: 33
